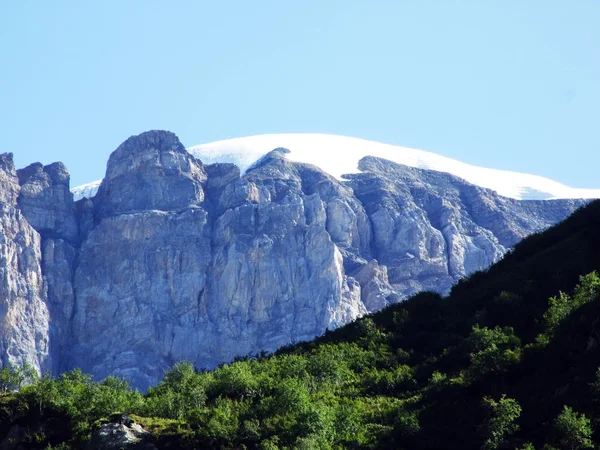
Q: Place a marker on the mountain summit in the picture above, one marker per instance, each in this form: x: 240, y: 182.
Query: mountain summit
x: 183, y: 258
x: 340, y: 155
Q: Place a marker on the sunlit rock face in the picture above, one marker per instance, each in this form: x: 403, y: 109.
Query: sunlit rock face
x: 429, y: 229
x: 152, y: 171
x: 46, y: 201
x: 47, y: 204
x: 173, y: 259
x: 24, y: 317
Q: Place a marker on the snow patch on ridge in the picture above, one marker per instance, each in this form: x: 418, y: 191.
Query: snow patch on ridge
x: 339, y: 155
x: 86, y: 190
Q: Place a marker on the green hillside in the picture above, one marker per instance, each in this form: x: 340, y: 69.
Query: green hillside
x: 509, y: 359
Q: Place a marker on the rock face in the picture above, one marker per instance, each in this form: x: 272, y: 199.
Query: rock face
x: 431, y: 229
x: 47, y: 204
x: 24, y: 317
x: 152, y: 171
x: 120, y: 434
x: 176, y: 260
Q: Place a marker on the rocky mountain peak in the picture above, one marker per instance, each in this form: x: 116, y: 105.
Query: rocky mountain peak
x: 274, y: 155
x: 160, y: 140
x: 173, y: 260
x: 153, y: 151
x: 9, y: 186
x: 280, y: 150
x: 151, y: 171
x: 56, y: 173
x: 6, y: 163
x: 46, y: 201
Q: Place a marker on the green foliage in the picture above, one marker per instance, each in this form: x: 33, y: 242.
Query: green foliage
x: 500, y: 424
x: 218, y: 424
x: 12, y: 378
x: 77, y: 397
x: 364, y: 390
x: 438, y: 379
x: 493, y: 350
x: 8, y: 379
x: 573, y: 430
x: 559, y: 308
x: 180, y: 392
x: 527, y: 446
x: 407, y: 423
x: 235, y: 381
x: 562, y: 305
x: 395, y: 381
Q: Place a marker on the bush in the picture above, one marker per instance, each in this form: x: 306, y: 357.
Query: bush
x: 500, y: 423
x: 573, y: 430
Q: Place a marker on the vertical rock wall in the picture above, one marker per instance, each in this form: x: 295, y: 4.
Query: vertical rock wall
x: 24, y: 317
x: 176, y: 260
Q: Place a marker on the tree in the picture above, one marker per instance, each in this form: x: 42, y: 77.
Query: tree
x: 527, y: 446
x: 493, y: 350
x: 180, y: 392
x: 235, y: 381
x: 7, y: 379
x: 220, y: 423
x: 500, y: 421
x: 587, y: 289
x: 561, y: 306
x: 44, y: 392
x: 573, y: 430
x: 13, y: 378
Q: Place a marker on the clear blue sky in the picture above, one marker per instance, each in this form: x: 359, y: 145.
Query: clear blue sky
x: 509, y: 84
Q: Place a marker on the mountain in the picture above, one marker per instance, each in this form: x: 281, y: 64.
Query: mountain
x: 509, y: 359
x: 340, y: 155
x: 174, y: 259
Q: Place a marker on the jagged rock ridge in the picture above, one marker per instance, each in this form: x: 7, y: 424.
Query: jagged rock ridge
x: 174, y: 259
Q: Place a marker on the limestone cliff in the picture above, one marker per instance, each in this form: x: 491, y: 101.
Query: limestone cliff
x: 24, y: 317
x: 173, y: 259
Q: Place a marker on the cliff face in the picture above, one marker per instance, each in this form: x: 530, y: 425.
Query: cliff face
x: 173, y: 260
x: 24, y: 318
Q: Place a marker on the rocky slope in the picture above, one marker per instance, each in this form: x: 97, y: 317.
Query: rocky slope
x: 173, y: 259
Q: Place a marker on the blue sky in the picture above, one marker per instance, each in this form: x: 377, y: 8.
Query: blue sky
x: 505, y: 84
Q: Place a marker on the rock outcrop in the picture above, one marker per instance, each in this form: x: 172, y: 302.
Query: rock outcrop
x: 173, y: 259
x: 152, y: 171
x: 120, y: 433
x: 47, y: 203
x: 24, y: 316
